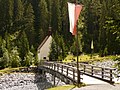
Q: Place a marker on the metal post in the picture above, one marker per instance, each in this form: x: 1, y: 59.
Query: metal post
x: 78, y: 72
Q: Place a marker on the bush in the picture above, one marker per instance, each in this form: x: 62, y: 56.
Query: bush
x: 36, y: 62
x: 4, y: 61
x: 105, y: 52
x: 14, y: 58
x: 29, y: 59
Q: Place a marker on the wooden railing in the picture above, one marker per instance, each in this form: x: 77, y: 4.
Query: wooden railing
x: 66, y: 70
x: 70, y: 70
x: 104, y: 73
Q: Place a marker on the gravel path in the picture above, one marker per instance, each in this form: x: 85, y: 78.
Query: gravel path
x: 100, y: 87
x: 95, y: 84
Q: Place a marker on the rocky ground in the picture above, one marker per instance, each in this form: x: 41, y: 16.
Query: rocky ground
x: 25, y: 81
x: 105, y: 63
x: 18, y: 81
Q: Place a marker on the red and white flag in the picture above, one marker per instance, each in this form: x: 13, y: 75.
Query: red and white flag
x: 74, y: 12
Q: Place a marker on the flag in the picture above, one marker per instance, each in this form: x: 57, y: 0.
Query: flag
x: 74, y: 12
x: 92, y: 47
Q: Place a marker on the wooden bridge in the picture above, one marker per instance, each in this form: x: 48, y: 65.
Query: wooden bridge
x: 68, y: 72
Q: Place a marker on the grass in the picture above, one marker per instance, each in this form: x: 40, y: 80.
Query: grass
x: 65, y: 87
x: 87, y: 58
x: 9, y: 70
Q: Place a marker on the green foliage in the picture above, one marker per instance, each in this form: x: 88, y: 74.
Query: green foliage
x: 23, y: 45
x: 1, y: 41
x: 105, y: 52
x: 112, y: 35
x: 55, y: 17
x: 4, y: 60
x: 53, y: 51
x: 14, y: 58
x: 36, y: 62
x: 101, y: 25
x: 43, y: 15
x: 58, y: 51
x: 66, y: 87
x: 29, y: 23
x: 35, y: 56
x: 29, y: 59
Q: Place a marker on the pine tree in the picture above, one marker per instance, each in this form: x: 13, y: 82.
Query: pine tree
x: 8, y: 41
x: 18, y: 15
x: 49, y: 6
x: 29, y: 59
x: 29, y: 23
x: 56, y: 18
x: 63, y: 49
x: 1, y: 46
x: 35, y: 55
x: 23, y: 46
x: 43, y: 16
x: 53, y: 55
x: 6, y: 16
x: 35, y: 4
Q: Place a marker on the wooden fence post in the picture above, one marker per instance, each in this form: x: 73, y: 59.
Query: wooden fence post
x: 67, y: 71
x: 54, y: 66
x: 73, y: 74
x: 110, y: 75
x: 91, y: 70
x: 84, y: 68
x: 102, y: 72
x: 58, y: 67
x: 62, y: 69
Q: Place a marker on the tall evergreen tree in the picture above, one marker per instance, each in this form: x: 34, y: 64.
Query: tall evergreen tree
x: 49, y: 6
x: 43, y: 16
x: 53, y: 51
x: 23, y: 46
x: 1, y: 46
x: 18, y: 15
x: 6, y: 16
x: 56, y: 17
x: 29, y: 23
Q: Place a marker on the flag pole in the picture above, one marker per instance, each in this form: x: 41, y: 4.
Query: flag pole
x: 77, y: 47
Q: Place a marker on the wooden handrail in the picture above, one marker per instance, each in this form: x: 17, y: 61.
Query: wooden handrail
x: 63, y: 69
x: 86, y: 69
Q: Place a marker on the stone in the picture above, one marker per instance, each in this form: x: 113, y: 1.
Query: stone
x: 26, y: 81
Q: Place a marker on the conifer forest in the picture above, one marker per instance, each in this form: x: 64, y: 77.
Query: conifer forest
x: 25, y: 23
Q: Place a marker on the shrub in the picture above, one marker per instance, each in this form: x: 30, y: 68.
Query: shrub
x: 4, y: 61
x: 14, y: 58
x: 29, y: 59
